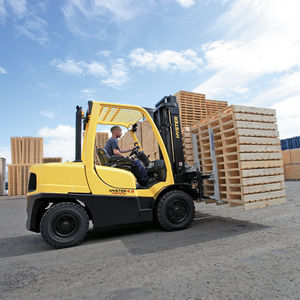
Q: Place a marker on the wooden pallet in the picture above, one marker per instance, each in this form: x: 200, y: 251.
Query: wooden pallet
x: 52, y: 160
x: 18, y: 177
x: 195, y: 107
x: 26, y: 150
x: 248, y: 155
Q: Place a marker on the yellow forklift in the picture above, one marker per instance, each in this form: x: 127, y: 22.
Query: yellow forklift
x: 63, y: 198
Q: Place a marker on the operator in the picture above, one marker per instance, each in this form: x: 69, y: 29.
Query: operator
x: 112, y: 148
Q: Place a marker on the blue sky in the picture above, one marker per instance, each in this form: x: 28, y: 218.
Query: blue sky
x: 55, y: 55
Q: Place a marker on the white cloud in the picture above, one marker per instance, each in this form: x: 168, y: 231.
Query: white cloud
x: 18, y: 7
x: 26, y: 19
x: 80, y: 67
x: 105, y: 53
x: 87, y: 94
x: 47, y: 114
x: 59, y: 141
x: 2, y: 11
x: 286, y: 86
x: 61, y: 131
x: 96, y: 68
x: 186, y: 60
x: 87, y: 91
x: 186, y: 3
x: 118, y: 74
x: 262, y: 37
x: 288, y: 116
x: 2, y: 70
x: 68, y: 66
x: 89, y: 18
x: 34, y: 28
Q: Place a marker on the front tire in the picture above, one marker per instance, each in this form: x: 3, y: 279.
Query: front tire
x: 64, y: 225
x: 175, y: 210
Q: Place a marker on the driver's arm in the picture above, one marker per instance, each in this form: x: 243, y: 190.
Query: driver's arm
x: 120, y: 151
x: 126, y: 150
x: 117, y: 152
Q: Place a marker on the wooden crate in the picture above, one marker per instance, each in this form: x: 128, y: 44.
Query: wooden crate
x: 295, y: 156
x: 286, y: 157
x: 292, y: 172
x: 248, y: 156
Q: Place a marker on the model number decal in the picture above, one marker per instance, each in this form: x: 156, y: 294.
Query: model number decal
x: 120, y: 191
x: 176, y: 127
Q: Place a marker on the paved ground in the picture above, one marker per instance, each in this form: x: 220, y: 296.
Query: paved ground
x: 227, y: 253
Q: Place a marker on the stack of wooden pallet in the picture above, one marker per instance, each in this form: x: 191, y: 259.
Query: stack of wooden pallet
x: 195, y: 107
x: 2, y: 175
x: 188, y: 146
x: 52, y: 160
x: 291, y: 162
x: 149, y: 142
x: 145, y: 137
x: 248, y: 156
x: 25, y: 151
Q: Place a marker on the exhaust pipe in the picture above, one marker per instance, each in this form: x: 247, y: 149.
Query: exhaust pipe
x: 78, y: 133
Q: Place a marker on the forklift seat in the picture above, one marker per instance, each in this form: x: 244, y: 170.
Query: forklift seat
x: 114, y: 161
x: 103, y: 156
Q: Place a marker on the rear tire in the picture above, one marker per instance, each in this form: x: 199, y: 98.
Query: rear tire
x: 64, y: 225
x: 175, y: 210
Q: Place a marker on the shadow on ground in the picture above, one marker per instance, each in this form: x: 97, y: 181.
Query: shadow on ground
x: 150, y: 239
x: 142, y: 239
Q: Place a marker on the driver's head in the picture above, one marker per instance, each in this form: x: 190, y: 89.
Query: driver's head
x: 116, y: 131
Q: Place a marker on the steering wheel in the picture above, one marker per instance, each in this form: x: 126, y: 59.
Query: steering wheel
x: 135, y: 149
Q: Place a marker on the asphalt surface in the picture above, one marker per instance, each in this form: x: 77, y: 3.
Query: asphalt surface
x: 227, y: 253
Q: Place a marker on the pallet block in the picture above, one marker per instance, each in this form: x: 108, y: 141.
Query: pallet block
x: 248, y: 155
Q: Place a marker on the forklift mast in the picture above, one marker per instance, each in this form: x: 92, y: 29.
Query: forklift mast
x: 167, y: 119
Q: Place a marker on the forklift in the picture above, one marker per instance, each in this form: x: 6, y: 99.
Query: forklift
x: 63, y: 199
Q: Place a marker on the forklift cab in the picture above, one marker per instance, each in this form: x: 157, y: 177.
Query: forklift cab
x: 114, y: 172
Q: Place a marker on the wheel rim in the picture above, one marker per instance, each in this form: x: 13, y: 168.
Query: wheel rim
x: 65, y: 225
x: 177, y: 211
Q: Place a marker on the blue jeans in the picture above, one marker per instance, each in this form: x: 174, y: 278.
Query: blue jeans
x: 139, y: 172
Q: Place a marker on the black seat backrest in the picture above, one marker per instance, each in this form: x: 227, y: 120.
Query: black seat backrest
x: 103, y: 156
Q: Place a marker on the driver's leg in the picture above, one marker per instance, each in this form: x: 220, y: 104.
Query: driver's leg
x: 140, y: 172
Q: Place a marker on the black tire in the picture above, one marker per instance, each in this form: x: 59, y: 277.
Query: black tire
x: 175, y: 210
x: 64, y: 225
